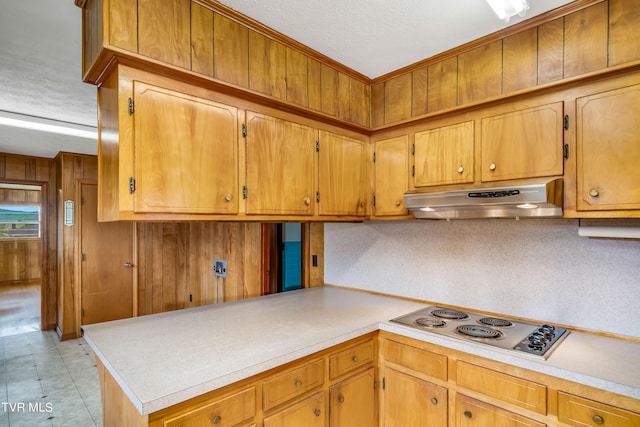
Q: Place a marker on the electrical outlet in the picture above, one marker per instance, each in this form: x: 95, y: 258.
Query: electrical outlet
x: 220, y: 267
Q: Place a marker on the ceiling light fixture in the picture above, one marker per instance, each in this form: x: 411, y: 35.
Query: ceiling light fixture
x: 505, y: 9
x: 46, y: 125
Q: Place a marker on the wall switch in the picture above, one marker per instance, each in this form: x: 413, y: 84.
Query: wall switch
x: 220, y: 267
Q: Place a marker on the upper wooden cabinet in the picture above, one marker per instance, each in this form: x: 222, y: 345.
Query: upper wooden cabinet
x: 608, y: 150
x: 164, y: 147
x: 444, y: 155
x: 186, y: 156
x: 280, y: 166
x: 524, y: 143
x: 342, y: 180
x: 390, y: 175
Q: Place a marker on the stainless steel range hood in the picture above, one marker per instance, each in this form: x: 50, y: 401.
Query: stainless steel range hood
x: 540, y: 198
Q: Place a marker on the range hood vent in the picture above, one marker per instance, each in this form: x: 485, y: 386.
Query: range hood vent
x: 541, y: 198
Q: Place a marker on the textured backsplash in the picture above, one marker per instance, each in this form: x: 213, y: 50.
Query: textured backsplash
x: 536, y: 268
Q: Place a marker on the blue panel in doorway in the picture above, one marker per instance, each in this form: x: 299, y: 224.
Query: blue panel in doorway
x: 291, y: 266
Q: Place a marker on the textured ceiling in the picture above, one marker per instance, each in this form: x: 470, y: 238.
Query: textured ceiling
x: 40, y: 50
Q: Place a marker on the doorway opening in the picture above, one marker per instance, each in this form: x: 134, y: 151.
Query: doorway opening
x: 21, y: 249
x: 283, y: 248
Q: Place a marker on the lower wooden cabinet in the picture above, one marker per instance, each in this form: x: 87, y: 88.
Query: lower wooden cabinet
x: 577, y: 411
x: 411, y: 401
x: 235, y: 410
x: 353, y: 402
x: 471, y: 412
x: 310, y: 412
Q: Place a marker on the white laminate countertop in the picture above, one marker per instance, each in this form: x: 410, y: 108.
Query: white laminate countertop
x: 163, y: 359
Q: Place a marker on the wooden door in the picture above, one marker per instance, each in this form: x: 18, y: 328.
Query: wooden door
x: 308, y: 413
x: 525, y: 143
x: 391, y: 175
x: 186, y: 155
x: 342, y: 175
x: 409, y: 401
x: 280, y: 166
x: 352, y: 401
x: 106, y: 281
x: 608, y: 145
x: 444, y: 155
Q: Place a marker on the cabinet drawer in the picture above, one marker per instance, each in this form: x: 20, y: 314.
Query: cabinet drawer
x: 472, y: 412
x: 577, y: 411
x: 292, y: 383
x: 514, y: 390
x: 423, y: 361
x: 309, y: 413
x: 229, y: 411
x: 350, y: 359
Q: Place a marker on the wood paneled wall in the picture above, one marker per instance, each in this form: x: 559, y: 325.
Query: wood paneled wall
x: 175, y: 264
x: 584, y: 37
x: 39, y: 171
x: 20, y: 260
x: 72, y: 169
x: 216, y: 42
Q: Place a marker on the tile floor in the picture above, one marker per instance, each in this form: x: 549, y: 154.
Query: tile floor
x: 46, y: 382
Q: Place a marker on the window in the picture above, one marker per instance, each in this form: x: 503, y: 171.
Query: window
x: 21, y: 222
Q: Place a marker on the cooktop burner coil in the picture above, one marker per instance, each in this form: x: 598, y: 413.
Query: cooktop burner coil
x: 496, y: 322
x: 449, y: 313
x: 430, y: 323
x: 479, y: 331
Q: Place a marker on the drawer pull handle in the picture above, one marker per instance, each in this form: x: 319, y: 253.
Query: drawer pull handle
x: 467, y: 414
x: 217, y: 419
x: 434, y: 400
x: 317, y: 412
x: 298, y: 383
x: 341, y: 399
x: 355, y: 359
x: 597, y: 419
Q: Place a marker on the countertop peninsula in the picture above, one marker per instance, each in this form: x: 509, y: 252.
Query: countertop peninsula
x: 163, y: 359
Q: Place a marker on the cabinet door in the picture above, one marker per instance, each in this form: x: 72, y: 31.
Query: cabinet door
x: 409, y: 401
x: 608, y: 144
x: 280, y: 166
x: 342, y: 175
x: 444, y: 155
x: 186, y: 154
x: 308, y: 413
x: 391, y: 175
x: 576, y: 411
x: 474, y: 413
x: 353, y: 402
x: 164, y: 31
x: 523, y: 144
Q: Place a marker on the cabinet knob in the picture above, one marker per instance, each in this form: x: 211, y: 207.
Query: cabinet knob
x: 398, y: 203
x: 467, y: 414
x: 317, y: 412
x: 341, y: 399
x: 461, y: 169
x: 307, y: 201
x: 492, y: 166
x: 298, y: 383
x: 228, y: 197
x: 355, y: 359
x: 597, y: 419
x: 434, y: 400
x: 594, y: 192
x: 128, y: 264
x: 217, y: 419
x: 362, y: 204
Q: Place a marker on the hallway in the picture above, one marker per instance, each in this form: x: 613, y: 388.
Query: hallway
x: 43, y: 381
x: 19, y: 308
